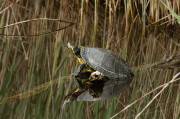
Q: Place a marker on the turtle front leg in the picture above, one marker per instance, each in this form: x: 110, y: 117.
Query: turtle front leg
x: 78, y: 71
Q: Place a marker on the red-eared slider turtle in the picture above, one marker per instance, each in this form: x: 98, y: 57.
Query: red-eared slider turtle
x: 102, y: 60
x: 94, y: 91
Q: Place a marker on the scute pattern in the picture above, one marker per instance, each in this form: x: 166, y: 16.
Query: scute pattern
x: 107, y: 62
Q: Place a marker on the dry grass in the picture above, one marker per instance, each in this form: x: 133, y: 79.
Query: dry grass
x: 34, y: 76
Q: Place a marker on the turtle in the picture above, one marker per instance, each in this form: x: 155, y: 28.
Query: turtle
x: 94, y: 85
x: 105, y: 61
x: 96, y: 89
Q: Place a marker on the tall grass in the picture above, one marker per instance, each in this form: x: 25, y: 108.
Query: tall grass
x: 35, y: 71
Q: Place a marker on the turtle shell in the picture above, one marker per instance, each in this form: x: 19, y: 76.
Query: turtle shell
x: 110, y: 89
x: 107, y: 62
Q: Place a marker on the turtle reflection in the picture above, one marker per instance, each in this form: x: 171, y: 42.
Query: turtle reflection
x: 98, y: 87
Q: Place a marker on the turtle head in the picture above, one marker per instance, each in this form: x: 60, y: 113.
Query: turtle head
x: 74, y: 49
x: 69, y: 98
x: 72, y: 96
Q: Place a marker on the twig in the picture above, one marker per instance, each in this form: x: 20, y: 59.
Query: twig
x: 158, y: 94
x: 146, y: 95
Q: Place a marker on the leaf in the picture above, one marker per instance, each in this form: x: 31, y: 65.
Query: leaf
x: 172, y: 12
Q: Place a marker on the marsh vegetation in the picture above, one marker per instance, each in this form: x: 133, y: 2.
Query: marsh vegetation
x: 35, y: 69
